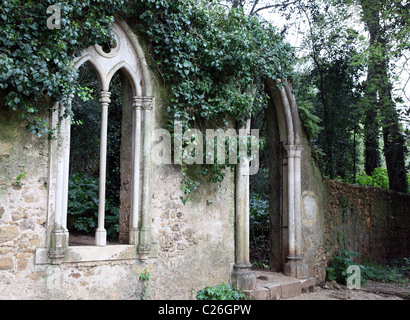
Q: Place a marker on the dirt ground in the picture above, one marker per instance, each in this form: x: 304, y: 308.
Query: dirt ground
x: 370, y: 291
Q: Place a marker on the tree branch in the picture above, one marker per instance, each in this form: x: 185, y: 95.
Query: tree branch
x: 284, y: 5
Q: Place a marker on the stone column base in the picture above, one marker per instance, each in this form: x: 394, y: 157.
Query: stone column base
x: 296, y: 268
x: 101, y: 237
x: 59, y: 244
x: 242, y: 277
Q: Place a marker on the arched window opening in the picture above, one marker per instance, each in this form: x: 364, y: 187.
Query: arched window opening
x: 103, y: 154
x: 85, y: 145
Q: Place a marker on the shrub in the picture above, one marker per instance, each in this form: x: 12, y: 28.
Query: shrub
x: 258, y: 215
x: 337, y: 269
x: 220, y: 292
x: 259, y: 228
x: 379, y: 179
x: 83, y: 203
x: 397, y: 271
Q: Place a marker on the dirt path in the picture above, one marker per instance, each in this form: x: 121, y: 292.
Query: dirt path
x: 371, y: 291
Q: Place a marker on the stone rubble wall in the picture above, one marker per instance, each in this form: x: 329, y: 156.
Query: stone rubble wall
x: 373, y: 222
x: 195, y: 242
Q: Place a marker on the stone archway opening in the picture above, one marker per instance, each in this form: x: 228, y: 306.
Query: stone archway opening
x: 268, y: 224
x: 277, y: 220
x: 286, y: 233
x: 85, y: 145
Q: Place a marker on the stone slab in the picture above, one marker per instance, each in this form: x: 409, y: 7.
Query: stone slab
x: 291, y: 289
x: 258, y: 294
x: 275, y: 290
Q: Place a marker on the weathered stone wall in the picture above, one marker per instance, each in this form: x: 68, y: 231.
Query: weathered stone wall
x: 195, y: 241
x: 23, y: 203
x: 373, y: 222
x: 313, y: 202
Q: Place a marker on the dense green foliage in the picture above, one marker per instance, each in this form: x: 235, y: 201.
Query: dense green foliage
x: 220, y: 292
x: 338, y: 266
x: 395, y: 271
x: 352, y: 76
x: 259, y: 228
x: 352, y: 55
x: 83, y: 206
x: 379, y: 179
x: 35, y: 62
x: 212, y: 58
x: 215, y: 62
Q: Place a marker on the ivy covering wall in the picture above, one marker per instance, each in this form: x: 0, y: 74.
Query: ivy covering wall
x: 214, y: 61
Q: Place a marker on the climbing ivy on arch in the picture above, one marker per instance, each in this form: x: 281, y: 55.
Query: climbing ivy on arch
x: 35, y: 61
x: 213, y: 60
x: 212, y: 57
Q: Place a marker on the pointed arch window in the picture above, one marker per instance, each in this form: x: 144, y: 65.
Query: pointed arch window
x: 125, y: 57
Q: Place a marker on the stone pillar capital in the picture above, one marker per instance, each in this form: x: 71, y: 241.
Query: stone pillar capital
x: 105, y: 97
x: 294, y: 151
x: 143, y: 103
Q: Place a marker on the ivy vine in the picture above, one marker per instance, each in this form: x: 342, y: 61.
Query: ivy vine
x: 213, y: 60
x: 36, y: 62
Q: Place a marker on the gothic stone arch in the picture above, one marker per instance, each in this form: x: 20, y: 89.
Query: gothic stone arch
x: 289, y: 134
x: 286, y: 113
x: 128, y: 57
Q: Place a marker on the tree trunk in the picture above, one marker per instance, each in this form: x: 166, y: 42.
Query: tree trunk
x: 380, y: 88
x: 371, y: 127
x: 394, y: 142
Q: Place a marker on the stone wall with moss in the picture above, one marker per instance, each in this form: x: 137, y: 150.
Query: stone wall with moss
x: 195, y: 241
x: 23, y: 193
x: 313, y: 204
x: 373, y: 222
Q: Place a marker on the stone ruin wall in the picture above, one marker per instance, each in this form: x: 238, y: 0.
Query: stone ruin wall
x: 373, y: 222
x: 195, y: 241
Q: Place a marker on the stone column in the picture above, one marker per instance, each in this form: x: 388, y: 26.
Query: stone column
x: 136, y: 183
x: 295, y: 266
x: 291, y: 198
x: 145, y: 238
x: 67, y: 146
x: 242, y: 277
x: 59, y: 234
x: 101, y: 233
x: 297, y: 197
